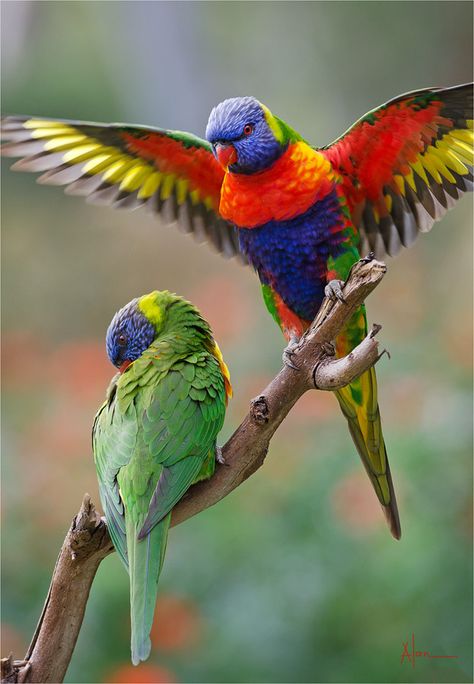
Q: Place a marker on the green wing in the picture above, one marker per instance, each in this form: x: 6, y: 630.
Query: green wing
x: 148, y: 455
x: 180, y: 426
x: 113, y: 440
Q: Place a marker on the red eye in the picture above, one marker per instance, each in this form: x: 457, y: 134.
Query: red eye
x: 248, y: 129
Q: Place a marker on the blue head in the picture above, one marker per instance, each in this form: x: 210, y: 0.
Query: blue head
x: 129, y: 335
x: 245, y: 136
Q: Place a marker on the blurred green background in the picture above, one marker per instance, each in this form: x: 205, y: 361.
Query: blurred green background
x: 294, y: 577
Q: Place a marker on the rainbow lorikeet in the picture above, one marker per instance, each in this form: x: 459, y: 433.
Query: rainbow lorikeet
x: 300, y: 215
x: 155, y: 435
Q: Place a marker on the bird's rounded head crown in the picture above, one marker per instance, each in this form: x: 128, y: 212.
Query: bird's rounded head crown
x: 151, y: 318
x: 245, y: 136
x: 136, y: 326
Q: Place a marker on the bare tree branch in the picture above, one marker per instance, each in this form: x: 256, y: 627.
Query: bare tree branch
x: 88, y: 542
x: 332, y: 375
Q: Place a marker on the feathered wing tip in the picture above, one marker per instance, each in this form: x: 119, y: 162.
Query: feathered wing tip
x: 145, y: 562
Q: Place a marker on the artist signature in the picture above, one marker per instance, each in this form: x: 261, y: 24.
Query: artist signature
x: 412, y: 655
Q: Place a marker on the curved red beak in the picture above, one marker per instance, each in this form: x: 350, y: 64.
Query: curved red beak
x: 125, y: 365
x: 226, y: 154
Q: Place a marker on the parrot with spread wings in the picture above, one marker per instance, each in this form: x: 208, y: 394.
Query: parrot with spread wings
x: 155, y: 435
x: 299, y: 215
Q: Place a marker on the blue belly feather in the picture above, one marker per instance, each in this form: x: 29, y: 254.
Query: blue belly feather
x: 291, y: 256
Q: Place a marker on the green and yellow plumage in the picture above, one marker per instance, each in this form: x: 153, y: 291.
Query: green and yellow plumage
x: 155, y: 436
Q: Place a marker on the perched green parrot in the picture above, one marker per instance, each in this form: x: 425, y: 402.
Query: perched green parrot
x: 300, y: 215
x: 155, y: 435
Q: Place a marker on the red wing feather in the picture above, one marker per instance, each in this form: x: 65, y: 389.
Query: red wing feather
x: 174, y: 174
x: 404, y: 164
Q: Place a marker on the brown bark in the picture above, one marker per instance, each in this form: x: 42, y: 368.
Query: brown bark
x: 88, y: 542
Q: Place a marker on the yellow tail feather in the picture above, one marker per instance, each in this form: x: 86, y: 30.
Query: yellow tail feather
x: 366, y: 431
x: 358, y: 402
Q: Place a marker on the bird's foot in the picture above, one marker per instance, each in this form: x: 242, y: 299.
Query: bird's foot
x: 219, y: 456
x: 333, y: 290
x: 289, y: 352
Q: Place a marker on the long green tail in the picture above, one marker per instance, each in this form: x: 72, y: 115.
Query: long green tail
x: 359, y: 405
x: 145, y: 562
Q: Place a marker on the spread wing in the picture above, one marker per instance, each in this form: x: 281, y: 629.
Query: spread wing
x: 174, y: 174
x: 404, y: 164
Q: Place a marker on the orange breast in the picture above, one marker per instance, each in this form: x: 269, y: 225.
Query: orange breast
x: 292, y: 185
